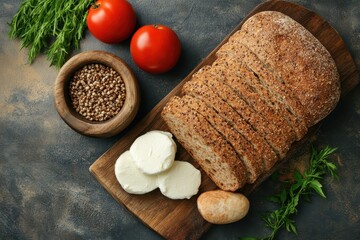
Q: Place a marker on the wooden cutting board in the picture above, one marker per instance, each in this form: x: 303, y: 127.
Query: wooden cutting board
x: 179, y: 219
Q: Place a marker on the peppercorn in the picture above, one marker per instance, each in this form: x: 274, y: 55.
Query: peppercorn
x: 97, y: 92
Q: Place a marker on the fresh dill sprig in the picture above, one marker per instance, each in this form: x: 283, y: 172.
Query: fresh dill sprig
x: 289, y: 197
x: 52, y: 27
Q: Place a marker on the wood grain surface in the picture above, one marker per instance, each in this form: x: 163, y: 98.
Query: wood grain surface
x: 179, y: 219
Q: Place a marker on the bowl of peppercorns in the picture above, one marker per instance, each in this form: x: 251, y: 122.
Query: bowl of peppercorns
x: 96, y: 94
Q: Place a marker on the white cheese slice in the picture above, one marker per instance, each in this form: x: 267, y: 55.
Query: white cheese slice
x: 131, y: 179
x: 181, y: 181
x: 154, y: 152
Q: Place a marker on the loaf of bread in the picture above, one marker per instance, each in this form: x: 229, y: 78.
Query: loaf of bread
x: 240, y: 115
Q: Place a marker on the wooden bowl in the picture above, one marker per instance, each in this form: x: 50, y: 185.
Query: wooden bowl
x: 79, y: 123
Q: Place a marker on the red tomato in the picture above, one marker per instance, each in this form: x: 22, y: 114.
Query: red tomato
x: 111, y: 21
x: 155, y: 48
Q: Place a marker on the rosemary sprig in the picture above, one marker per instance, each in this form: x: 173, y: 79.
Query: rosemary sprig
x: 53, y: 27
x: 305, y: 184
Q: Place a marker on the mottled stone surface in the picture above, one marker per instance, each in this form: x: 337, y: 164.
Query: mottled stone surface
x: 46, y: 190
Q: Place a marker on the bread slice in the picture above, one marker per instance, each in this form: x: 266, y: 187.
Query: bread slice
x: 245, y: 150
x: 300, y: 60
x: 237, y: 53
x: 234, y: 119
x: 229, y: 100
x: 208, y: 147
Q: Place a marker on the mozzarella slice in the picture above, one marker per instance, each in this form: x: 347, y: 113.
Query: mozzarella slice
x: 181, y: 181
x: 154, y: 152
x: 131, y: 178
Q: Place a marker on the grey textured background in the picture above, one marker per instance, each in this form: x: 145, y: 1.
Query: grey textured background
x: 46, y: 190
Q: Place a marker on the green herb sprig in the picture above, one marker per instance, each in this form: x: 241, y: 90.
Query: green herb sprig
x: 53, y: 27
x: 289, y: 197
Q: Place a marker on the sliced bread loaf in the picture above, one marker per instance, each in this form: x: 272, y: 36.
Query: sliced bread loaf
x: 270, y: 82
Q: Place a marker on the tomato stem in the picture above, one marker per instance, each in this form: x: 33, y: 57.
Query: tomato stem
x: 157, y: 26
x: 95, y: 5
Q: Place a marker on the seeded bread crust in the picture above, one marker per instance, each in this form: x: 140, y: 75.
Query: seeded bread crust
x: 251, y: 159
x: 264, y: 127
x: 304, y: 64
x: 239, y: 53
x: 244, y: 79
x: 235, y: 119
x: 208, y: 147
